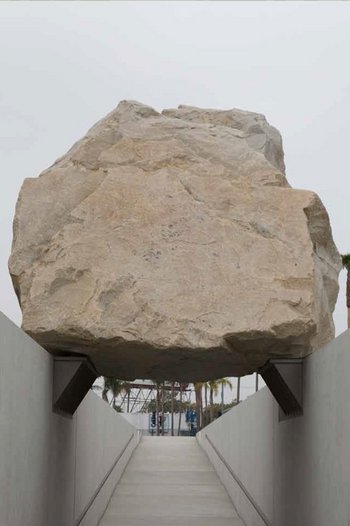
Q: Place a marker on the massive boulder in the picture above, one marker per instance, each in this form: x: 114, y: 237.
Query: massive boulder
x: 171, y: 246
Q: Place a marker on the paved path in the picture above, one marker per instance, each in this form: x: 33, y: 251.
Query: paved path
x: 169, y: 481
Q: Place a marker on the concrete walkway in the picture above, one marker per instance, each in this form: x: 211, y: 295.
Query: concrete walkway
x: 169, y: 481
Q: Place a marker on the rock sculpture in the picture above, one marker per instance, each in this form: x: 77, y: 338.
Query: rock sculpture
x: 171, y: 246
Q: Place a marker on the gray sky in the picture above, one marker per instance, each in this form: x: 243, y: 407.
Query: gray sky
x: 64, y: 65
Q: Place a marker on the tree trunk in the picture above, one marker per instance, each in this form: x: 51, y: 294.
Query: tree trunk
x: 157, y: 409
x: 348, y: 294
x: 162, y: 409
x: 180, y: 414
x: 238, y: 388
x: 202, y: 411
x: 128, y: 402
x: 172, y: 409
x: 256, y: 382
x: 206, y: 402
x: 222, y: 398
x: 198, y: 391
x: 211, y: 402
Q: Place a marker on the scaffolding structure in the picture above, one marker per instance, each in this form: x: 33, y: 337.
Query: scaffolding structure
x: 137, y: 395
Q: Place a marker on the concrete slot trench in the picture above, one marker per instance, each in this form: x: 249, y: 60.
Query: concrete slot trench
x: 169, y: 481
x: 91, y: 469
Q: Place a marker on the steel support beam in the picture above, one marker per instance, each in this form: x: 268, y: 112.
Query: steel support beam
x: 284, y: 378
x: 73, y: 377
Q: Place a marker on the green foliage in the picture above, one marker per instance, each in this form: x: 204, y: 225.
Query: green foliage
x: 214, y: 385
x: 346, y: 261
x: 214, y: 411
x: 150, y: 406
x: 114, y: 387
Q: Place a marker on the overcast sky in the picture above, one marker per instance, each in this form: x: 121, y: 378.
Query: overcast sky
x: 64, y: 65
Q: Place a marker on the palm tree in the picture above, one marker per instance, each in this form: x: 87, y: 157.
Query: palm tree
x: 346, y: 265
x: 206, y: 403
x: 157, y: 407
x: 182, y: 387
x: 163, y: 415
x: 213, y: 391
x: 238, y: 389
x: 113, y: 386
x: 199, y: 404
x: 172, y: 408
x: 180, y: 413
x: 224, y: 382
x: 128, y: 391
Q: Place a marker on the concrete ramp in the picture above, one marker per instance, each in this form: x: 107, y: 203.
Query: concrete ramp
x: 169, y: 481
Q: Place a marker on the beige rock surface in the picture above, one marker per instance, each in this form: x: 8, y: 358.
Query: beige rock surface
x: 171, y: 246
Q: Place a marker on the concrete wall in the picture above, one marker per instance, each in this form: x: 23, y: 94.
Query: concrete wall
x: 51, y: 466
x: 297, y: 471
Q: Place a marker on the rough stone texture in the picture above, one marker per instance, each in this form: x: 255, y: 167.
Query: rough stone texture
x: 171, y: 246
